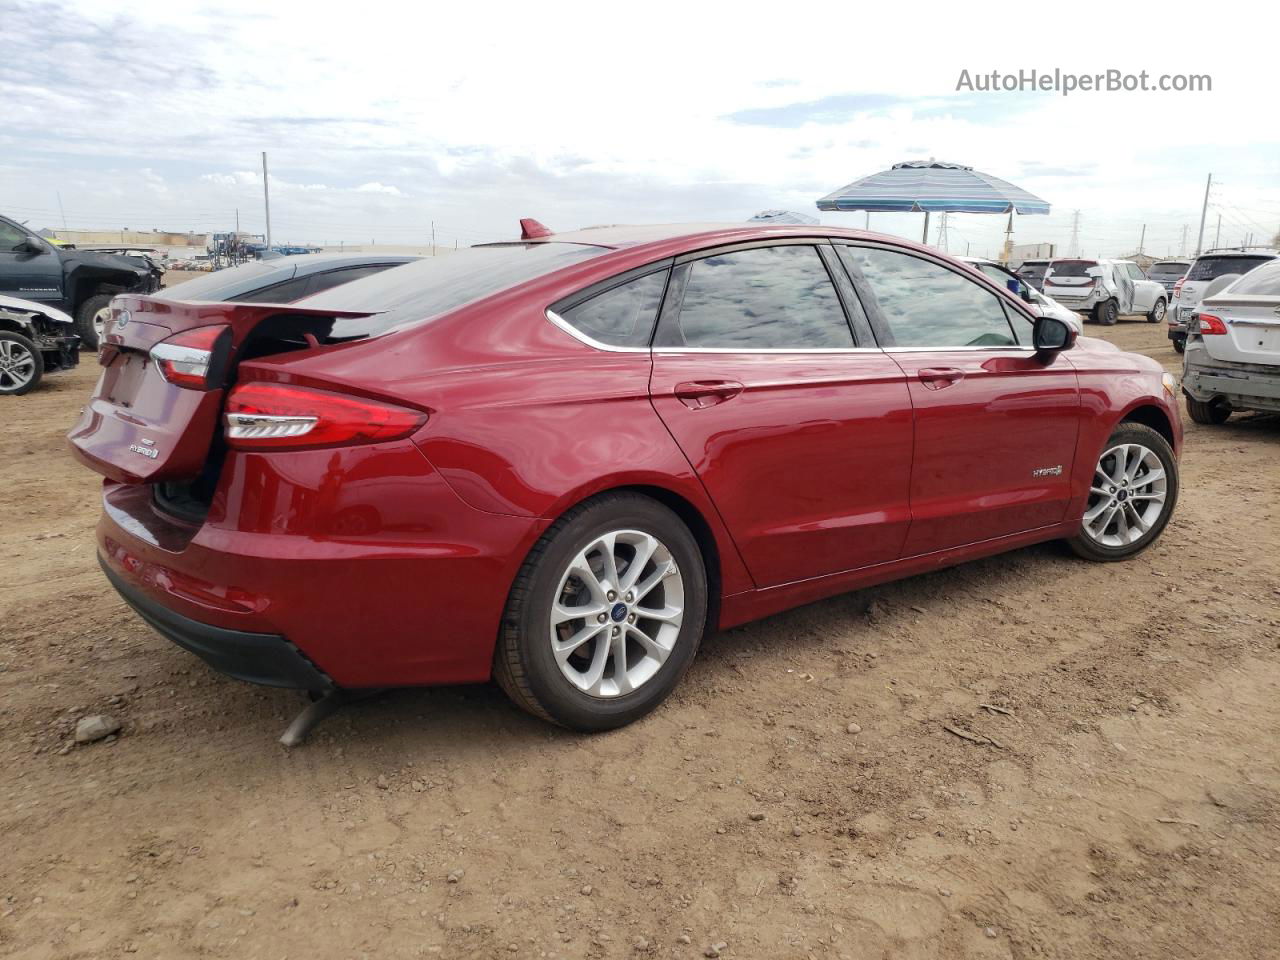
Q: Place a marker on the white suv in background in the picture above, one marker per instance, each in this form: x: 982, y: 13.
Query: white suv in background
x: 1207, y: 268
x: 1105, y: 290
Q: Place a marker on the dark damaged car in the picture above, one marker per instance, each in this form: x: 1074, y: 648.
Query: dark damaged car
x: 77, y: 282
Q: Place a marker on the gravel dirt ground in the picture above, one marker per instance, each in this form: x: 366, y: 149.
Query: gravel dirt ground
x: 799, y: 796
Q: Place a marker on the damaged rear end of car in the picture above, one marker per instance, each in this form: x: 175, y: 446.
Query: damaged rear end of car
x: 242, y: 497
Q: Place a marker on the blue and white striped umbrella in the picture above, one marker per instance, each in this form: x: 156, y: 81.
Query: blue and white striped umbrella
x: 931, y: 186
x: 783, y: 216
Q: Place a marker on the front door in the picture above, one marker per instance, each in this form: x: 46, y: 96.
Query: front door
x: 995, y: 427
x: 24, y: 273
x: 801, y: 435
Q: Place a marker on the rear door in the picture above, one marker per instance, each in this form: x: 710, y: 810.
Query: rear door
x: 800, y: 432
x: 995, y: 428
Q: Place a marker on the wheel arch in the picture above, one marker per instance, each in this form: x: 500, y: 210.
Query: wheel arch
x: 1153, y: 416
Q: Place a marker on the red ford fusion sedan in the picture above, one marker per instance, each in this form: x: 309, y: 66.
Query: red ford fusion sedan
x: 560, y: 461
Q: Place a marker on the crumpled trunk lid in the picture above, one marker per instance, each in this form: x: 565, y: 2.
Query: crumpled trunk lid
x: 140, y: 428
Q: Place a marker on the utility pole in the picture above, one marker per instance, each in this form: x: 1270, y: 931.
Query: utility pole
x: 266, y: 198
x: 966, y: 248
x: 1204, y: 210
x: 866, y: 224
x: 1142, y: 240
x: 1217, y: 237
x: 1182, y: 250
x: 237, y: 219
x: 433, y: 238
x: 1006, y: 252
x: 61, y: 211
x: 1074, y: 250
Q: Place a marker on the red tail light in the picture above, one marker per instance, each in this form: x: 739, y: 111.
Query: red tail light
x: 1177, y: 288
x: 194, y: 358
x: 1211, y: 326
x: 275, y: 416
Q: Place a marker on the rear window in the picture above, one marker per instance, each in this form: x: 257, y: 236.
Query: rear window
x: 1262, y: 282
x: 431, y: 286
x: 1035, y: 271
x: 1210, y: 268
x: 1075, y: 268
x: 1164, y: 271
x: 224, y: 284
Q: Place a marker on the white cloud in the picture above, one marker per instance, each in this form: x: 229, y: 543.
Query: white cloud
x: 480, y: 114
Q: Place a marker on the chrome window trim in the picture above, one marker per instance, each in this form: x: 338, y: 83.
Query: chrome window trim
x: 767, y: 350
x: 1011, y: 348
x: 590, y: 341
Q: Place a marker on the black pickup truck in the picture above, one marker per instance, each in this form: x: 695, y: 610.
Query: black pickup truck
x: 78, y: 282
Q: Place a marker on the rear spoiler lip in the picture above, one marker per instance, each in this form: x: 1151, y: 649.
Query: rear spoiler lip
x: 220, y: 309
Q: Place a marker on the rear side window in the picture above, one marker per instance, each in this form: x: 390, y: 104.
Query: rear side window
x: 336, y: 278
x: 926, y: 305
x: 623, y: 316
x: 1262, y: 282
x: 432, y: 286
x: 767, y: 298
x: 1210, y: 268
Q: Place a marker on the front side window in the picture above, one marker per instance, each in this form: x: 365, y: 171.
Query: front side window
x: 10, y: 236
x: 927, y: 305
x: 623, y: 316
x: 767, y: 298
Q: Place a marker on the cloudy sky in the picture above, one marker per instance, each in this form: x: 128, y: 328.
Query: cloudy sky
x: 382, y: 118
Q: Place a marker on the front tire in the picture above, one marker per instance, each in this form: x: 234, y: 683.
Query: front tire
x: 1158, y: 311
x: 21, y: 364
x: 1131, y: 496
x: 1179, y: 344
x: 1211, y: 413
x: 605, y: 616
x: 91, y: 319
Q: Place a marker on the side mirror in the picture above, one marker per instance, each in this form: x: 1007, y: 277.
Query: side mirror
x: 1051, y: 336
x: 29, y: 245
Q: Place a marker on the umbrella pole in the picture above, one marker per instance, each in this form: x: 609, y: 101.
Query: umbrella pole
x: 924, y: 238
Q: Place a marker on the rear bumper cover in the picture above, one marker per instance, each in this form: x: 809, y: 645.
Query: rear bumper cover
x: 264, y: 658
x: 1244, y: 385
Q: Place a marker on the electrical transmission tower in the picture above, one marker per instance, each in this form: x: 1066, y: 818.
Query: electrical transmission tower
x: 941, y: 243
x: 1074, y: 248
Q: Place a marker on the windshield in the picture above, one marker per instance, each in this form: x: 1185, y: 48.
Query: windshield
x: 1166, y: 271
x: 234, y: 280
x: 435, y: 285
x: 1262, y: 282
x: 1210, y: 268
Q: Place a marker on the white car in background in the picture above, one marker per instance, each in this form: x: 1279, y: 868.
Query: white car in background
x: 1105, y: 290
x: 1207, y: 268
x: 1232, y: 358
x: 1019, y: 287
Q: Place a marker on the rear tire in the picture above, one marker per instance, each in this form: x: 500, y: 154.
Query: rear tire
x: 21, y: 364
x: 1180, y: 344
x: 1107, y: 313
x: 1157, y: 311
x: 90, y: 319
x: 1212, y: 413
x: 1132, y: 495
x: 608, y: 679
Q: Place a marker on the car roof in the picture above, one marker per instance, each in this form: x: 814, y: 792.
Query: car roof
x: 667, y: 239
x: 255, y: 275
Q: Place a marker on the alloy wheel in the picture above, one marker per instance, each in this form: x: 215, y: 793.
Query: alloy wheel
x: 1127, y: 497
x: 617, y: 613
x: 100, y: 322
x: 17, y: 365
